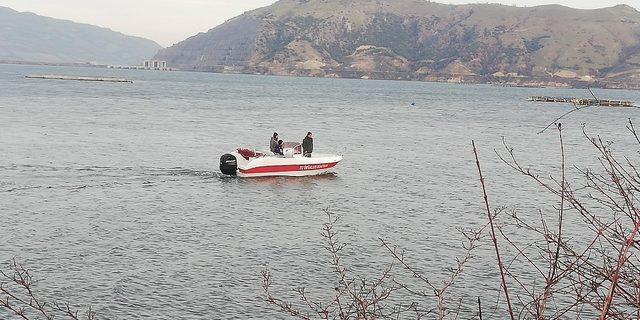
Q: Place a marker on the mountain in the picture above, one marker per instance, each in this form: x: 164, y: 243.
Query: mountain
x: 422, y: 40
x: 30, y: 37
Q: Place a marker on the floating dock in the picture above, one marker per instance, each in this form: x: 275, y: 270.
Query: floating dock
x: 75, y: 78
x: 602, y: 103
x: 549, y: 99
x: 584, y: 102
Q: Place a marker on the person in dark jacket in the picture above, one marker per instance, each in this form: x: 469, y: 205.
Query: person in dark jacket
x: 307, y: 145
x: 279, y: 148
x: 274, y: 142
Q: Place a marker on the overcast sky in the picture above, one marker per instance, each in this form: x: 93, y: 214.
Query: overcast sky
x: 171, y: 21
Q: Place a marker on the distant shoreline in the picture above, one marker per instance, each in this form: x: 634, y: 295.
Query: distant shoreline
x: 53, y: 64
x: 517, y: 82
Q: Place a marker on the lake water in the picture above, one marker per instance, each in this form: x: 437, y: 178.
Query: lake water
x: 110, y: 192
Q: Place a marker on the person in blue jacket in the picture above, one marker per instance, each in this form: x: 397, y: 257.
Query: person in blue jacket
x: 278, y: 149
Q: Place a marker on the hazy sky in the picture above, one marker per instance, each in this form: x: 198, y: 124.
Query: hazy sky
x: 171, y: 21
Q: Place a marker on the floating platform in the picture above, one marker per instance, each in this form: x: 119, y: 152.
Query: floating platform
x: 75, y: 78
x: 549, y: 99
x: 584, y: 102
x: 602, y: 103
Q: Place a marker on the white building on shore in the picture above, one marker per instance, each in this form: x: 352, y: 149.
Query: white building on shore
x: 160, y: 65
x: 155, y: 65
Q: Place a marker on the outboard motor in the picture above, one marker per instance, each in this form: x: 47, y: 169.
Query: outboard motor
x: 229, y: 165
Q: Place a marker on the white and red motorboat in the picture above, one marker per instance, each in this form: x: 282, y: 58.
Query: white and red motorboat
x: 251, y: 163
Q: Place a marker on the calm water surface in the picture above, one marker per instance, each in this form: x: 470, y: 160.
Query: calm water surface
x: 111, y: 193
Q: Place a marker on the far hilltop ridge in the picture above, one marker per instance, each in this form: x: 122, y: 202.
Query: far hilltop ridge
x: 549, y: 45
x: 26, y: 37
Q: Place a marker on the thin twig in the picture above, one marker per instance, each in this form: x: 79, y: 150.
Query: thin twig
x: 493, y: 233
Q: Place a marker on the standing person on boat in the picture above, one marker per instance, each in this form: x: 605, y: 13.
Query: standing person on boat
x: 273, y: 143
x: 279, y: 148
x: 307, y: 145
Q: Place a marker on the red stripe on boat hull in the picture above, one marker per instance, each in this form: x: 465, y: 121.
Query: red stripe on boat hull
x: 289, y: 168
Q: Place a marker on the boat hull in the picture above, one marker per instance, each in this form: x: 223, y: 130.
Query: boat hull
x: 279, y: 166
x: 293, y: 170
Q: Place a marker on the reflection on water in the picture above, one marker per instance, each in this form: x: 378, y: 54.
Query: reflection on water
x: 290, y: 181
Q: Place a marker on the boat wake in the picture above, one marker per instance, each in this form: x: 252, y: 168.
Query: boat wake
x: 25, y: 178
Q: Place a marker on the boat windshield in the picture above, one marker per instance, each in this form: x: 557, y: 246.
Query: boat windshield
x: 296, y: 146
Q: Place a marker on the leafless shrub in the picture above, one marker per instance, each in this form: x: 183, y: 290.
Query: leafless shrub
x: 17, y: 298
x: 359, y: 298
x: 438, y: 291
x: 355, y: 297
x: 581, y: 279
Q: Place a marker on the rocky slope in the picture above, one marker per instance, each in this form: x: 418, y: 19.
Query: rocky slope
x: 29, y: 37
x: 420, y: 40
